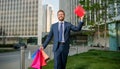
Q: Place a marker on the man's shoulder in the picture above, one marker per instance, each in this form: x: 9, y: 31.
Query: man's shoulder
x: 66, y: 22
x: 55, y: 23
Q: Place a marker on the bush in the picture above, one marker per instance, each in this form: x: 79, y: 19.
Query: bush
x: 6, y: 45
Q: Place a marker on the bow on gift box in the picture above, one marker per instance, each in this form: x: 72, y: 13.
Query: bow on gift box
x: 79, y: 11
x: 39, y: 59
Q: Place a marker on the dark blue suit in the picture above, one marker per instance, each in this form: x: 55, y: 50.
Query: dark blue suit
x: 61, y: 51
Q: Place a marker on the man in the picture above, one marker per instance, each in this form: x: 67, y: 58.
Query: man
x: 60, y: 32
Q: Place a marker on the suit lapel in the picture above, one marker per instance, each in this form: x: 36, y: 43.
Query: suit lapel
x: 56, y: 29
x: 65, y: 26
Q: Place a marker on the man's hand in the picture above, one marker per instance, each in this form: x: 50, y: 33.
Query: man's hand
x: 41, y: 47
x: 81, y: 18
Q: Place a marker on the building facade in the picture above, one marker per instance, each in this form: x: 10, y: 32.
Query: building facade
x: 68, y: 7
x: 21, y: 19
x: 48, y: 17
x: 114, y: 34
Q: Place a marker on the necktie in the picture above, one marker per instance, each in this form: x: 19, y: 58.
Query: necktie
x: 60, y: 32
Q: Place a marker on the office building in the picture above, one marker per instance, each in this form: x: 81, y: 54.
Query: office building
x: 48, y: 17
x: 20, y: 19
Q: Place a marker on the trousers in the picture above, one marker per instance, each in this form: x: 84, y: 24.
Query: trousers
x: 60, y: 57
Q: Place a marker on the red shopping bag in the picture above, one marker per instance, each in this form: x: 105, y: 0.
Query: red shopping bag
x: 79, y: 11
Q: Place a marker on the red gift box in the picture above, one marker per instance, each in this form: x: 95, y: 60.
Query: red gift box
x: 79, y: 11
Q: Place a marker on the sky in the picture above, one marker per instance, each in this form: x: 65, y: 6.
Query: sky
x: 54, y: 3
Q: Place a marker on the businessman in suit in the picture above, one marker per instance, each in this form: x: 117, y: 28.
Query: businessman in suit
x: 60, y: 32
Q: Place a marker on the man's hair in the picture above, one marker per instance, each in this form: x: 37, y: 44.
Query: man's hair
x: 61, y: 11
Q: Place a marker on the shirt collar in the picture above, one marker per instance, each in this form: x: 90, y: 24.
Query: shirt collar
x: 60, y: 21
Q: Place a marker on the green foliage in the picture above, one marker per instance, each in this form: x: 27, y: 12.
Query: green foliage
x: 6, y: 45
x: 91, y: 23
x: 6, y: 50
x: 89, y: 33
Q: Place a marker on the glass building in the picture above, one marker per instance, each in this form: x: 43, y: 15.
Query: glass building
x: 114, y: 34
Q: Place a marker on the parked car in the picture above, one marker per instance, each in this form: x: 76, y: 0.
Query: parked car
x: 18, y: 45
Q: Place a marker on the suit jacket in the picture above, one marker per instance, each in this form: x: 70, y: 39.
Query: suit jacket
x: 54, y: 32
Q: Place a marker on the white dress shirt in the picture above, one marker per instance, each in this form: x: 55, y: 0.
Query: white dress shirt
x: 59, y: 23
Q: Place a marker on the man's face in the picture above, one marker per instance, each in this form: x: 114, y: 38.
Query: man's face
x: 61, y: 16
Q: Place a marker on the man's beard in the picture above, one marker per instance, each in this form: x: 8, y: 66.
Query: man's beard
x: 61, y: 19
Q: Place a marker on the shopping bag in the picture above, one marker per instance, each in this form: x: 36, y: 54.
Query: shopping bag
x: 34, y: 54
x: 79, y: 11
x: 45, y: 56
x: 36, y: 61
x: 40, y: 59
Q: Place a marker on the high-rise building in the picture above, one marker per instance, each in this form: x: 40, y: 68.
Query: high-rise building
x: 48, y: 17
x: 21, y: 19
x: 68, y: 7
